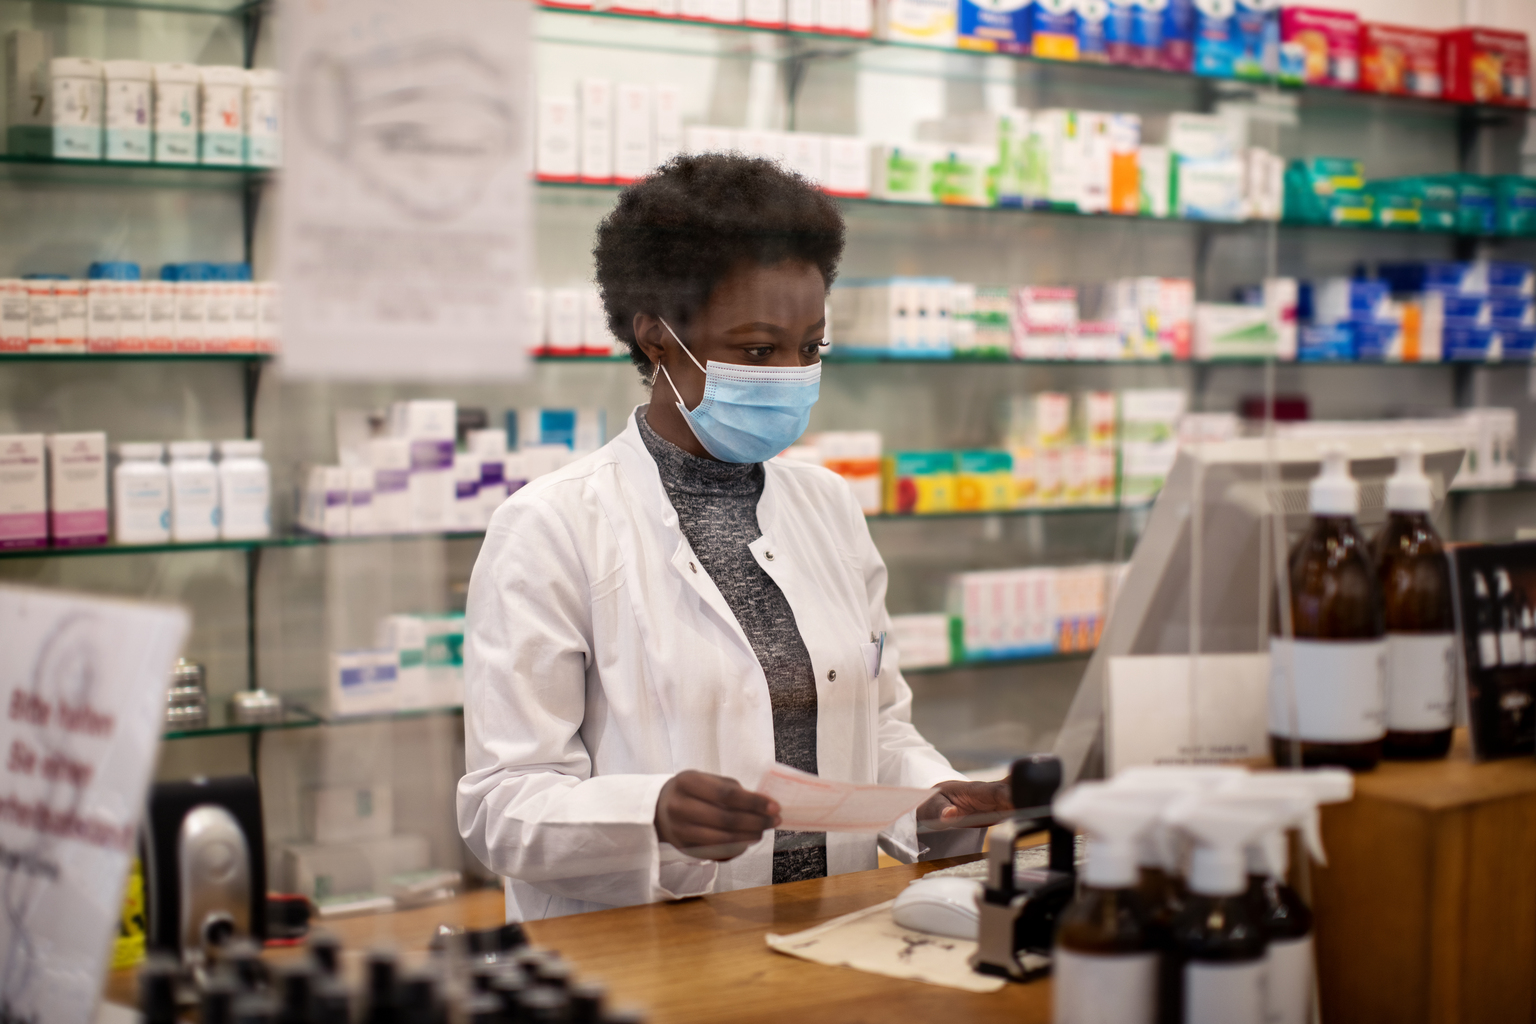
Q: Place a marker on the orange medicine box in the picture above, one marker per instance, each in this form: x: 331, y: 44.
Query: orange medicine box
x: 1400, y: 61
x: 1486, y: 65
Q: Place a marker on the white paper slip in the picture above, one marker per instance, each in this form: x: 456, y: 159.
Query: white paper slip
x: 809, y: 803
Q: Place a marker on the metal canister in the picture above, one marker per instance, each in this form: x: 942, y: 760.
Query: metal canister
x: 186, y: 702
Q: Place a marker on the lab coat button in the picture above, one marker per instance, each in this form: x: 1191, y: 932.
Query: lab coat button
x: 693, y: 567
x: 768, y: 555
x: 832, y: 676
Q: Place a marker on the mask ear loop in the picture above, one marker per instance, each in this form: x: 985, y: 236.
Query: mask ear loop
x: 680, y: 403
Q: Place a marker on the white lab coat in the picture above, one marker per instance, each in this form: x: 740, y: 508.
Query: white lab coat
x: 600, y: 660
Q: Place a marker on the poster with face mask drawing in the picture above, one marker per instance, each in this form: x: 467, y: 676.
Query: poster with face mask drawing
x: 403, y: 216
x: 82, y: 705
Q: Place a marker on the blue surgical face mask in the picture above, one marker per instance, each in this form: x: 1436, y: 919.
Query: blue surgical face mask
x: 749, y: 413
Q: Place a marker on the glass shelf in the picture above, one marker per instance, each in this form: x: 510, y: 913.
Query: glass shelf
x: 1042, y: 510
x: 1112, y: 218
x: 132, y: 174
x: 842, y: 358
x: 1027, y: 659
x: 696, y: 38
x: 215, y: 8
x: 291, y: 540
x: 296, y: 716
x: 135, y: 357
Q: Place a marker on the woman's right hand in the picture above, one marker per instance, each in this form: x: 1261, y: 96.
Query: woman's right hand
x: 712, y: 817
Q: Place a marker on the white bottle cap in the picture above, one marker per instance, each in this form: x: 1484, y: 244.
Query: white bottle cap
x: 1115, y: 821
x: 1408, y: 488
x: 1222, y: 829
x: 1333, y: 491
x: 241, y: 449
x: 141, y: 451
x: 193, y: 450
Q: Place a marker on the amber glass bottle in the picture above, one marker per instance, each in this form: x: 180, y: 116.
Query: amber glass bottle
x: 1327, y: 684
x: 1417, y: 604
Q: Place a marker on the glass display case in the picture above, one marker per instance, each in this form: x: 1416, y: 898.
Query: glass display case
x: 273, y: 613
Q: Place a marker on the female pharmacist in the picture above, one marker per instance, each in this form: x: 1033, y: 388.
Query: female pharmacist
x: 654, y: 625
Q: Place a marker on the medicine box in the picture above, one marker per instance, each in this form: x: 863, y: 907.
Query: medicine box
x: 29, y: 116
x: 983, y: 481
x: 919, y: 641
x: 919, y: 482
x: 263, y: 118
x: 323, y: 507
x: 445, y: 658
x: 854, y: 455
x: 128, y: 109
x: 1231, y: 331
x: 632, y: 134
x: 77, y: 489
x: 574, y: 429
x: 994, y: 26
x: 1484, y: 65
x: 904, y: 173
x: 933, y: 22
x: 221, y: 115
x: 1322, y: 44
x: 1400, y: 60
x: 23, y: 492
x: 175, y: 110
x: 406, y: 636
x: 667, y: 122
x: 70, y: 326
x: 848, y: 166
x: 75, y: 91
x: 595, y: 98
x: 13, y: 315
x: 1092, y: 39
x: 363, y: 682
x: 430, y: 426
x: 1044, y: 322
x: 390, y: 460
x: 1053, y: 29
x: 360, y: 516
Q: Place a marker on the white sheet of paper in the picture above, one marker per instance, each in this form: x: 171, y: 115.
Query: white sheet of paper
x: 810, y: 803
x: 1150, y: 717
x: 405, y: 229
x: 83, y: 682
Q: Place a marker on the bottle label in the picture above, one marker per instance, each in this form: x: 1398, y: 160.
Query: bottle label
x: 1488, y: 650
x: 1290, y: 981
x: 1511, y: 650
x: 1096, y: 989
x: 1225, y: 993
x: 1421, y: 681
x: 1340, y: 688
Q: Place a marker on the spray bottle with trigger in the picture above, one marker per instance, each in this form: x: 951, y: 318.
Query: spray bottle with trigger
x: 1105, y: 961
x: 1218, y: 942
x: 1293, y: 798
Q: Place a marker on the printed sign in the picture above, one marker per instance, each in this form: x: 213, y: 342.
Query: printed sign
x: 404, y: 236
x: 82, y: 688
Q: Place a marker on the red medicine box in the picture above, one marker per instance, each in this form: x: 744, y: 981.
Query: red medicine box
x: 1327, y: 42
x: 1486, y: 65
x: 1400, y: 61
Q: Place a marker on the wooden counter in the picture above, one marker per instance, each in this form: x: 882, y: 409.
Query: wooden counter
x: 1426, y: 911
x: 704, y: 960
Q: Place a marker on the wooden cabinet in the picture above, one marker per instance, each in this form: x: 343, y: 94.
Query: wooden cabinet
x: 1426, y: 911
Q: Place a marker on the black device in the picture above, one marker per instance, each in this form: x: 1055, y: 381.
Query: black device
x: 205, y: 864
x: 1019, y: 910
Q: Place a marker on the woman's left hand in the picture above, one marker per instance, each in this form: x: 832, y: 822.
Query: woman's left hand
x: 965, y: 805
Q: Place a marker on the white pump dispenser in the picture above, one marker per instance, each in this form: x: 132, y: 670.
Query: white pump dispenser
x: 1317, y: 786
x: 1221, y: 831
x: 1333, y: 492
x: 1159, y: 847
x: 1408, y: 489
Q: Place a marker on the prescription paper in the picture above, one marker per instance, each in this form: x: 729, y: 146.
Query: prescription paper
x: 809, y: 803
x: 871, y: 940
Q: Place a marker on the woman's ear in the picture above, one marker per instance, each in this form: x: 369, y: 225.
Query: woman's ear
x: 651, y: 336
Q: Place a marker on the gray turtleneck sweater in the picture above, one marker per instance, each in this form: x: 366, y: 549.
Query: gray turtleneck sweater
x: 716, y: 505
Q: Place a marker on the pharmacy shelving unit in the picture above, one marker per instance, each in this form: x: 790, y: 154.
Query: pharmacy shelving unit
x: 268, y: 613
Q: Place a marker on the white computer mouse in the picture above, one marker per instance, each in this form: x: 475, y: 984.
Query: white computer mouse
x: 940, y: 906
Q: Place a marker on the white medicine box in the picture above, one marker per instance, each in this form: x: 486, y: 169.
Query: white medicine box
x: 23, y: 492
x: 75, y: 96
x: 221, y: 120
x: 175, y: 113
x: 128, y: 109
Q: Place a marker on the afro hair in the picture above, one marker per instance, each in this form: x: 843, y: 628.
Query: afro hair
x: 675, y: 235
